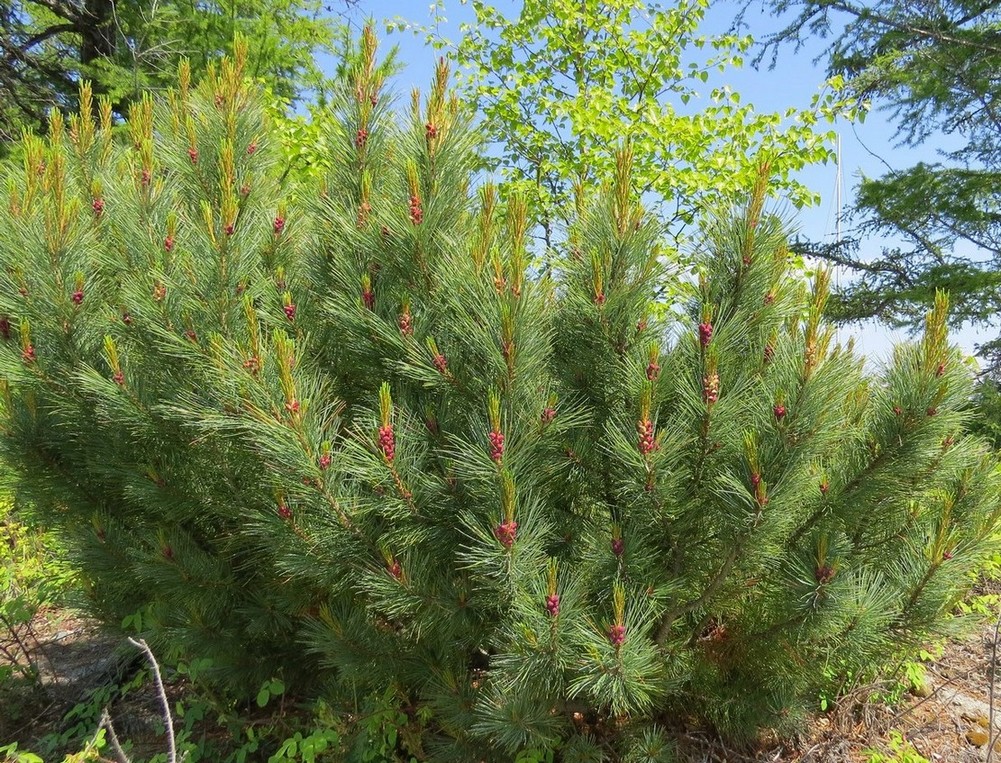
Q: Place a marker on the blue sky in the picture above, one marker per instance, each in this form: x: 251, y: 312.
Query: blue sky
x: 866, y: 148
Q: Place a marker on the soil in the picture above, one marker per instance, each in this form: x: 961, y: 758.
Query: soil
x: 948, y: 719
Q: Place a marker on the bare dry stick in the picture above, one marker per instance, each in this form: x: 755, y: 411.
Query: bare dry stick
x: 990, y: 691
x: 113, y: 737
x: 171, y: 743
x: 165, y: 703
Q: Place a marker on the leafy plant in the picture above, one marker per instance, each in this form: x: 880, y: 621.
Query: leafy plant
x: 899, y: 750
x: 33, y: 578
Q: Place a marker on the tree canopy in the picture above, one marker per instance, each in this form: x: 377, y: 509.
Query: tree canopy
x: 48, y: 46
x: 933, y: 67
x: 561, y: 85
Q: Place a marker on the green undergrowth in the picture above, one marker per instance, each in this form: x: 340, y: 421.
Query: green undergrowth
x: 34, y: 582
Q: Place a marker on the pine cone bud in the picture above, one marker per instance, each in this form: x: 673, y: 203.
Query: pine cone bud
x: 779, y: 410
x: 553, y: 604
x: 279, y: 225
x: 548, y: 414
x: 506, y: 532
x: 824, y: 574
x: 251, y: 149
x: 193, y: 155
x: 416, y: 210
x: 652, y: 370
x: 897, y: 410
x: 28, y: 354
x: 118, y: 378
x: 755, y: 479
x: 126, y: 318
x: 253, y: 365
x: 98, y: 206
x: 430, y: 131
x: 647, y: 444
x: 245, y: 190
x: 293, y: 406
x: 191, y: 336
x: 284, y: 511
x: 769, y: 298
x: 599, y: 298
x: 387, y: 442
x: 289, y: 311
x: 932, y: 411
x: 325, y: 461
x: 824, y: 487
x: 5, y: 327
x: 368, y: 298
x: 618, y: 546
x: 395, y: 569
x: 641, y: 326
x: 496, y: 446
x: 940, y: 370
x: 230, y: 229
x: 946, y: 556
x: 361, y: 138
x: 364, y: 209
x: 145, y: 177
x: 769, y: 353
x: 710, y: 389
x: 406, y: 325
x: 440, y: 363
x: 168, y: 244
x: 617, y: 635
x: 705, y: 333
x: 77, y: 297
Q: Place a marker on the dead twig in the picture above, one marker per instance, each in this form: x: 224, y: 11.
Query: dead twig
x: 164, y: 702
x: 113, y: 737
x: 990, y: 691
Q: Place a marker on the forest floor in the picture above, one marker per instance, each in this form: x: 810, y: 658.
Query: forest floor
x: 947, y: 718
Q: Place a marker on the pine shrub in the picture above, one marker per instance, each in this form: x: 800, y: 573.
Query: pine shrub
x: 363, y: 437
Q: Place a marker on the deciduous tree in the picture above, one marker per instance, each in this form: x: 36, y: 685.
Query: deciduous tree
x: 561, y: 85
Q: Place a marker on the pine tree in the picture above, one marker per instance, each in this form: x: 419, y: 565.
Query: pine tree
x: 357, y: 435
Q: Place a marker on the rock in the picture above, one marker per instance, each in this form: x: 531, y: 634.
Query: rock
x: 977, y: 719
x: 924, y: 689
x: 977, y: 737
